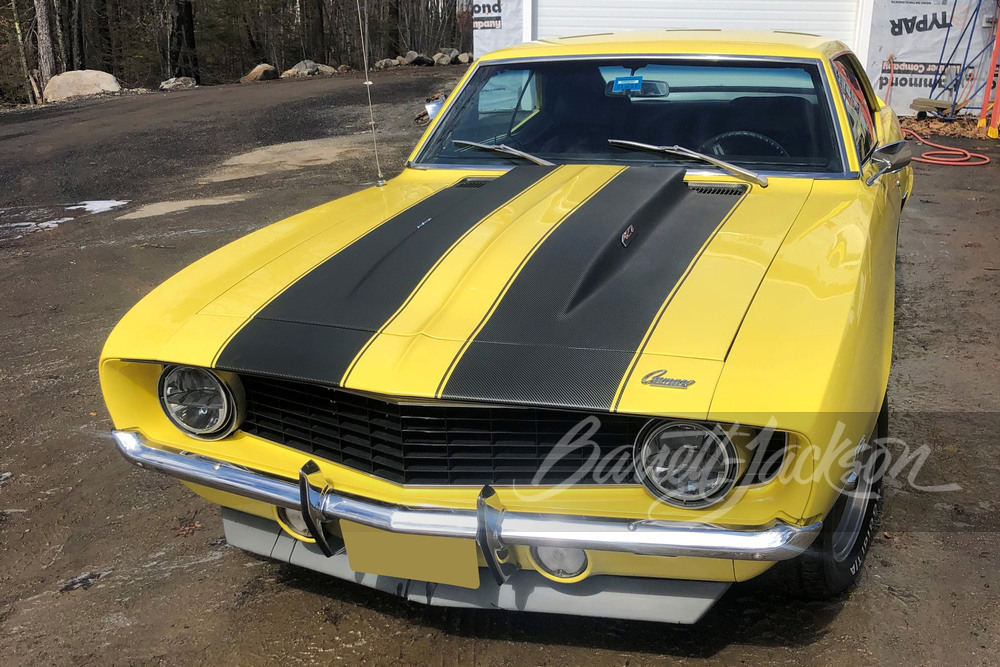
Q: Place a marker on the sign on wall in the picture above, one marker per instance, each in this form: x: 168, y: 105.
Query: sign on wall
x: 496, y: 24
x: 907, y: 41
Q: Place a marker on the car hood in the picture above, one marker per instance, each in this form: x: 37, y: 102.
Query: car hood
x: 593, y: 287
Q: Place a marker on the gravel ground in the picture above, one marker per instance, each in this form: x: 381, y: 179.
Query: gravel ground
x: 102, y: 562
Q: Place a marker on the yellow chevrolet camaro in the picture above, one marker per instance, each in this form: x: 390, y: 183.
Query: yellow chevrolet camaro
x: 617, y: 337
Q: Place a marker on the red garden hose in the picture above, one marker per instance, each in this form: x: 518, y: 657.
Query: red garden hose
x: 946, y: 155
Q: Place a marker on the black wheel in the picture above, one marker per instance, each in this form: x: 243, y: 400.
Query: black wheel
x: 833, y: 563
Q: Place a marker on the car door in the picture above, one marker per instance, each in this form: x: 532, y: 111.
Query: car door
x: 872, y: 125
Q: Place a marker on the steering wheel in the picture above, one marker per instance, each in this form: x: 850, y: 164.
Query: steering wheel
x: 742, y: 142
x: 511, y: 141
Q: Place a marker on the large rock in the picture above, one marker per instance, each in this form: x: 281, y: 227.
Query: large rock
x: 402, y: 60
x: 344, y: 69
x: 178, y: 83
x: 451, y: 53
x: 423, y: 61
x: 465, y: 58
x: 306, y: 68
x: 262, y: 72
x: 386, y: 64
x: 326, y: 70
x: 410, y: 57
x: 442, y: 59
x: 80, y: 83
x: 290, y: 73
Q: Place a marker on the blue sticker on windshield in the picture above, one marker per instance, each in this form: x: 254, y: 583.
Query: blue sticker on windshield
x: 624, y: 83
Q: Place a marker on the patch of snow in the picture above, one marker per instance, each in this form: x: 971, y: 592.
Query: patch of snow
x: 34, y: 226
x: 52, y: 224
x: 97, y: 206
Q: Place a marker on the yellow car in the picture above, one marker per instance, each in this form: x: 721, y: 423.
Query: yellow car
x: 617, y: 337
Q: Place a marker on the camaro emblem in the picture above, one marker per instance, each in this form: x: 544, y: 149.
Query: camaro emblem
x: 657, y: 379
x: 627, y: 235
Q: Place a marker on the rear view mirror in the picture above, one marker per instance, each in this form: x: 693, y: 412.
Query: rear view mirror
x: 890, y: 159
x: 636, y: 86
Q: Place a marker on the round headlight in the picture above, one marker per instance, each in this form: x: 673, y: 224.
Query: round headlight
x: 198, y: 401
x: 686, y: 464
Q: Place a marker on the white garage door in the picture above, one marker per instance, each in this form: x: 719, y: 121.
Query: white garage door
x: 838, y: 19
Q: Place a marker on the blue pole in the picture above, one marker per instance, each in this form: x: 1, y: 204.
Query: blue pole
x: 965, y: 58
x: 944, y: 46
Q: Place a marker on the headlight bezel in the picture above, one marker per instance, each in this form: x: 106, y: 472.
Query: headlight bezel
x: 234, y: 401
x: 734, y: 464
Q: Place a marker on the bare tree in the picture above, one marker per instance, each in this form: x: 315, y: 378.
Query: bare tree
x: 144, y: 41
x: 183, y: 54
x: 43, y: 29
x: 78, y: 59
x: 20, y: 52
x: 57, y: 22
x: 315, y: 42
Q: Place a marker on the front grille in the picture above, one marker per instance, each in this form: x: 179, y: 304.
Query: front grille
x: 443, y: 444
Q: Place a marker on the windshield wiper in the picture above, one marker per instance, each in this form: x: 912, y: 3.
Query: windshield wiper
x: 739, y: 172
x: 501, y: 148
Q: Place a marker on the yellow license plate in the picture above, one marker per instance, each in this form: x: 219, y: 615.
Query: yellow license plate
x: 441, y: 560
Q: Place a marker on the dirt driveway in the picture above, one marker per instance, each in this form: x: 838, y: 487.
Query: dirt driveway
x: 103, y: 563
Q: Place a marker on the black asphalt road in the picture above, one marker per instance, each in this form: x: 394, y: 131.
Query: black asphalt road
x: 139, y: 145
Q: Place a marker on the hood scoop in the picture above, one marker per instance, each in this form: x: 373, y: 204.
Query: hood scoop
x: 641, y: 236
x: 473, y: 183
x: 732, y: 189
x: 578, y: 311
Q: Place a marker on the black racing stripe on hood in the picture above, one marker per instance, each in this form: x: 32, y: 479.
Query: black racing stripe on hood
x: 567, y: 329
x: 315, y: 328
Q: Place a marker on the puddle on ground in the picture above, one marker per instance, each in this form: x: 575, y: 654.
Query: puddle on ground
x: 287, y: 157
x: 165, y: 207
x: 17, y: 221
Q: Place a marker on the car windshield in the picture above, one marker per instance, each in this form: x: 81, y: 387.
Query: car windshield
x: 771, y: 116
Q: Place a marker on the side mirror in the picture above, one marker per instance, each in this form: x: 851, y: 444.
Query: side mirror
x: 891, y: 158
x: 433, y: 108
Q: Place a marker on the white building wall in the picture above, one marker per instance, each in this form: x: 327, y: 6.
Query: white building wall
x: 846, y: 20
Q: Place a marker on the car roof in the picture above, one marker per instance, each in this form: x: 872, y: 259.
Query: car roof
x: 762, y: 44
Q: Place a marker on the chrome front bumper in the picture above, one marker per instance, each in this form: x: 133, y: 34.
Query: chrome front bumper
x: 491, y: 525
x: 603, y: 596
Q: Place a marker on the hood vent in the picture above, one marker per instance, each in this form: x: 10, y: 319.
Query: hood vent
x: 732, y: 189
x: 473, y: 183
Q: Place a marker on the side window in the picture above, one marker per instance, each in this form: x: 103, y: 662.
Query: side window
x: 508, y: 92
x: 506, y: 102
x: 860, y: 115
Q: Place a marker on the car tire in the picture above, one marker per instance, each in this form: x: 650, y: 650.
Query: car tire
x: 833, y: 563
